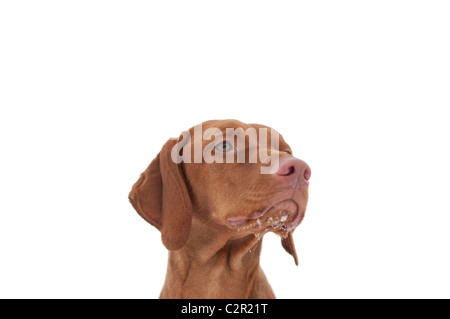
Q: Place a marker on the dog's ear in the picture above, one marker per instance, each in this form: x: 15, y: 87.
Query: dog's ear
x: 161, y: 197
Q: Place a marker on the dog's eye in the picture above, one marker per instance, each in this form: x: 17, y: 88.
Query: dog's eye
x: 288, y: 151
x: 224, y: 147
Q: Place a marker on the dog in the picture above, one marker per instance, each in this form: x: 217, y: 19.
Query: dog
x: 212, y: 215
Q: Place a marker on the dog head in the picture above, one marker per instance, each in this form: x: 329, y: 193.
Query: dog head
x: 242, y: 178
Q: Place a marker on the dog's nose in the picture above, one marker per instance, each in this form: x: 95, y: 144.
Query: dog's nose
x: 293, y: 169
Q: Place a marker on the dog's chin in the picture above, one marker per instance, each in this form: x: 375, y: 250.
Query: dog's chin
x: 280, y: 218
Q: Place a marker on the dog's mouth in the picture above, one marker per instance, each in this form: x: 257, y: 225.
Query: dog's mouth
x: 280, y: 218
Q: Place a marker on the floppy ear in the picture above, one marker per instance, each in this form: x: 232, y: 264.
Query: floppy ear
x: 161, y: 197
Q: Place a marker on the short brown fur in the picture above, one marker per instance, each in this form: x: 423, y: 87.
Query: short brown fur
x: 192, y: 205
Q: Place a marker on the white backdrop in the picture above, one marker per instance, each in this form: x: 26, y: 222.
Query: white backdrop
x: 90, y: 91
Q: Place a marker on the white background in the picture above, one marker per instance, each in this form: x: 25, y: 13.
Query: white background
x: 90, y: 91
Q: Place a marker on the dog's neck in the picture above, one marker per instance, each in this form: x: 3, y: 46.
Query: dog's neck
x: 216, y: 264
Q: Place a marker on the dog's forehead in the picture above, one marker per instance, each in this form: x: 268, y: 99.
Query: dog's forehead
x: 211, y: 127
x: 224, y: 124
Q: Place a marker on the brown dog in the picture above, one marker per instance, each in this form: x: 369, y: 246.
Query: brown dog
x: 212, y: 215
